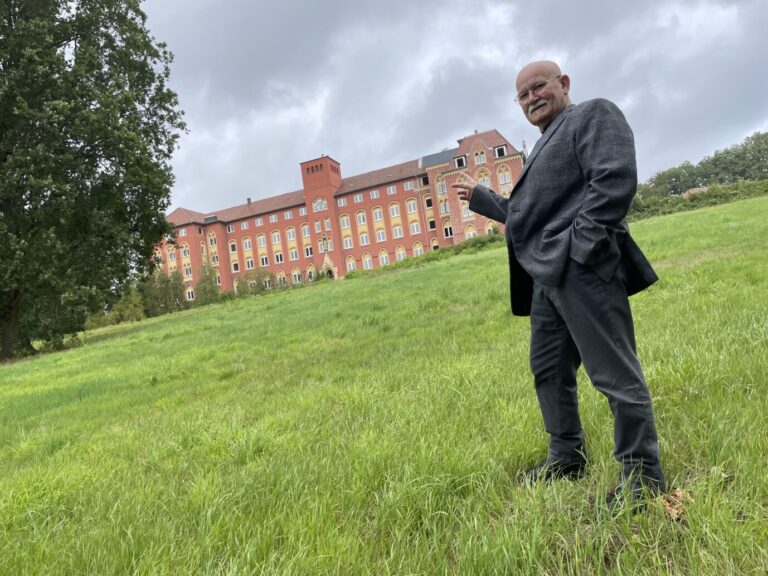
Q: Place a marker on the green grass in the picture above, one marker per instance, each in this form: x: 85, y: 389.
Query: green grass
x: 378, y: 426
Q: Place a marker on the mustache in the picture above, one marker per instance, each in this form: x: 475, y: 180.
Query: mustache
x: 536, y: 106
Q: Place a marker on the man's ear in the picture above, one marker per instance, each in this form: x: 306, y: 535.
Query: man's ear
x: 565, y: 82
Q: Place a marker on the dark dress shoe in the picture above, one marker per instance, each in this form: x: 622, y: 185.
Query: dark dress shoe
x: 551, y: 469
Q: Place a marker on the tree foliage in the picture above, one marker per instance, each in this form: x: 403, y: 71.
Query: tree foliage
x: 87, y: 129
x: 745, y: 161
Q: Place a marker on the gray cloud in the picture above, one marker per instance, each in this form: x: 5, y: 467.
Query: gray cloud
x: 268, y: 85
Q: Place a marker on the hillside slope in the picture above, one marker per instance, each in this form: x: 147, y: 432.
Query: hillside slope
x: 377, y: 426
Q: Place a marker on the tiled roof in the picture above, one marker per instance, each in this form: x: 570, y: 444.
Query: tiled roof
x: 491, y: 139
x: 378, y: 177
x: 182, y: 216
x: 272, y: 204
x: 410, y: 169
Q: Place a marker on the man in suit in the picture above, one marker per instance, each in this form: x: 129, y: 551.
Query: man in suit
x: 572, y: 266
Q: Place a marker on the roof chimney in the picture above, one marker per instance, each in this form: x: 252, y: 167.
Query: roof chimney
x: 249, y: 202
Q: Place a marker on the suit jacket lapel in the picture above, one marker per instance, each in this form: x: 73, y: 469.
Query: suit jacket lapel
x: 551, y: 129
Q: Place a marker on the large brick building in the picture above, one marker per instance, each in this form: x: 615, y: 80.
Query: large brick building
x: 334, y: 224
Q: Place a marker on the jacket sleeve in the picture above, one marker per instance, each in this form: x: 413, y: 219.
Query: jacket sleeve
x: 605, y: 150
x: 486, y: 202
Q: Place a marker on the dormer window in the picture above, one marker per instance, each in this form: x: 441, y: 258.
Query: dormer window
x: 500, y: 151
x: 460, y: 162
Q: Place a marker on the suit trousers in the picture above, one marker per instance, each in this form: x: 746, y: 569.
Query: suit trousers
x: 588, y: 320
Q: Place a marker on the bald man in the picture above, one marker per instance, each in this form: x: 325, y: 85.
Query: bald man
x: 573, y: 266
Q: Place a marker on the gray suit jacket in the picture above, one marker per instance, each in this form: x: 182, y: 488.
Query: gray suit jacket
x: 570, y: 201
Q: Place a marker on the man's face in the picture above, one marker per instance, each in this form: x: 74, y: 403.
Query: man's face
x: 542, y: 95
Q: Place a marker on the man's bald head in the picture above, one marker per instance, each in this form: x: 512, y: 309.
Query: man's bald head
x: 542, y: 91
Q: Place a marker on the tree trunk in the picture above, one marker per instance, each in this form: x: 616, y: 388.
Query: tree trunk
x: 10, y: 325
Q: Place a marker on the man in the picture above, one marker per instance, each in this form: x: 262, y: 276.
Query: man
x: 573, y: 265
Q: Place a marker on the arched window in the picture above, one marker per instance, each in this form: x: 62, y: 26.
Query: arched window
x: 383, y: 257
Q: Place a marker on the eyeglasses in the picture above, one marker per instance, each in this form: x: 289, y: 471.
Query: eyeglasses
x: 536, y: 89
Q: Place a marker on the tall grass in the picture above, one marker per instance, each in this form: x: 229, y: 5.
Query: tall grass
x: 379, y: 427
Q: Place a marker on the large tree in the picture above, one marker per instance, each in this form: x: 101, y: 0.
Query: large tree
x: 88, y: 125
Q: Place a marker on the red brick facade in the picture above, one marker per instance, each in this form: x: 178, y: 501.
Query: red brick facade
x: 337, y: 224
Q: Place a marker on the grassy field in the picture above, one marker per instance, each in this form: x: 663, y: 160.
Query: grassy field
x: 377, y: 426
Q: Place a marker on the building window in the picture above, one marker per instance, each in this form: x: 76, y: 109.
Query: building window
x: 264, y: 260
x: 185, y: 251
x: 470, y: 232
x: 272, y: 218
x: 410, y: 206
x: 297, y: 277
x: 172, y: 256
x: 182, y: 232
x: 278, y: 257
x: 397, y: 232
x: 418, y: 249
x: 235, y: 267
x: 500, y: 151
x: 394, y: 210
x: 485, y: 180
x: 363, y: 239
x: 465, y: 211
x: 408, y: 185
x: 367, y: 262
x: 341, y: 202
x: 218, y: 279
x: 504, y: 177
x: 345, y: 221
x: 308, y: 251
x: 249, y: 264
x: 460, y: 162
x: 215, y: 259
x: 378, y: 214
x: 288, y: 214
x: 425, y: 180
x: 479, y: 158
x: 230, y: 228
x: 318, y: 227
x: 442, y: 188
x: 261, y: 240
x: 244, y: 225
x: 281, y: 280
x: 188, y: 271
x: 232, y: 247
x: 294, y: 254
x: 383, y: 258
x: 276, y: 237
x: 351, y: 264
x: 361, y: 218
x: 212, y: 241
x: 432, y: 225
x: 259, y: 221
x: 391, y: 190
x: 319, y: 205
x: 400, y: 254
x: 327, y: 224
x: 428, y: 201
x: 247, y: 244
x: 374, y: 194
x: 290, y: 234
x: 358, y: 198
x: 190, y: 294
x: 347, y: 243
x: 305, y: 230
x: 381, y: 235
x: 447, y: 231
x: 415, y: 228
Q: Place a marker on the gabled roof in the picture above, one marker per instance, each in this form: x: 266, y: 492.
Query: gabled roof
x: 410, y: 169
x: 182, y: 216
x: 491, y: 139
x: 378, y: 177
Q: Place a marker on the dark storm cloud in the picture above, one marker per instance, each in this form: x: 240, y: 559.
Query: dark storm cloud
x: 268, y: 85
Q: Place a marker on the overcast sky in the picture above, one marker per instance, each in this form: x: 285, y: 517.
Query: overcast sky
x: 267, y: 85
